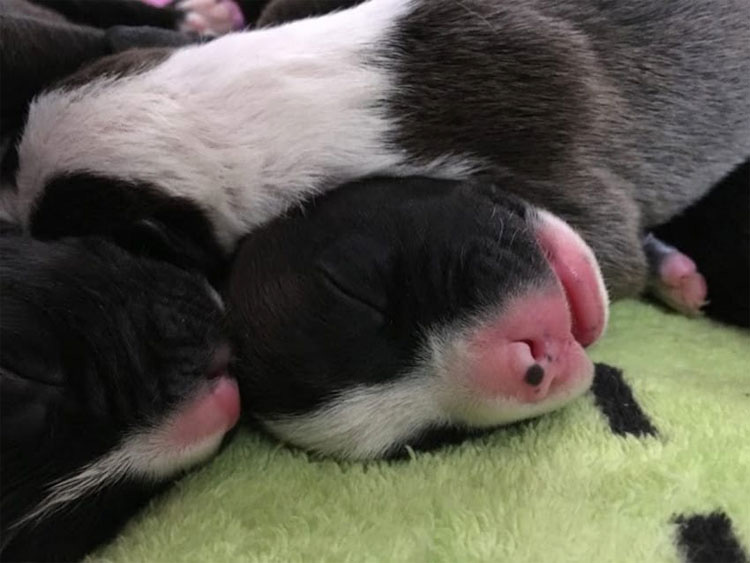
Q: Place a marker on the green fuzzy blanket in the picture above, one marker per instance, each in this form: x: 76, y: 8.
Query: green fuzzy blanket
x: 653, y: 465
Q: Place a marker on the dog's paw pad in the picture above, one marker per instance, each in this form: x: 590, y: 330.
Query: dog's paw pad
x: 675, y: 278
x: 214, y: 17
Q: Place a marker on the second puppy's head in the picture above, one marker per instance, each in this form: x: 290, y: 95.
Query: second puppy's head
x: 391, y: 309
x: 114, y: 379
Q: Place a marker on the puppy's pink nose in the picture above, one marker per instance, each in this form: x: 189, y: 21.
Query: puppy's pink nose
x: 214, y: 411
x: 530, y: 352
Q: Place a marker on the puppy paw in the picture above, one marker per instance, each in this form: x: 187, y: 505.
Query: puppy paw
x: 211, y: 17
x: 675, y: 279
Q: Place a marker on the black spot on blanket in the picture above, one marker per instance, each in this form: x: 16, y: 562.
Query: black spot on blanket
x: 708, y: 538
x: 615, y: 399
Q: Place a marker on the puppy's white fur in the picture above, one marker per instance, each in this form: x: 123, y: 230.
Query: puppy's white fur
x: 145, y: 455
x: 366, y: 422
x: 288, y: 110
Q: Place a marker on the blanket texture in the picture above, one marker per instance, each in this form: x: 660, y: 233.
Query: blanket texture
x: 653, y: 465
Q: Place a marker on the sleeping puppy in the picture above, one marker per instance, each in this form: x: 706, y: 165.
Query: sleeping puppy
x: 395, y: 312
x: 617, y: 116
x: 113, y: 380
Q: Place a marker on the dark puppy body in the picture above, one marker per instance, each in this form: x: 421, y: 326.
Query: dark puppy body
x: 614, y: 117
x: 394, y: 309
x: 113, y: 377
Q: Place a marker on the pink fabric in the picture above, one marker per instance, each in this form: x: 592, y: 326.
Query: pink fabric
x: 157, y: 3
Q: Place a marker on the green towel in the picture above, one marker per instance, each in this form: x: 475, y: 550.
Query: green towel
x: 653, y: 477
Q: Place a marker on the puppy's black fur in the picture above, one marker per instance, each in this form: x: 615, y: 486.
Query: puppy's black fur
x: 97, y: 346
x: 147, y: 222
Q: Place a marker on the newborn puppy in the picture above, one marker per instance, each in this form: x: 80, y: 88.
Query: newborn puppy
x: 393, y: 309
x: 616, y: 115
x: 113, y: 379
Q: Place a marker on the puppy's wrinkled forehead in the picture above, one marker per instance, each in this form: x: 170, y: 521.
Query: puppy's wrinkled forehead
x: 409, y: 251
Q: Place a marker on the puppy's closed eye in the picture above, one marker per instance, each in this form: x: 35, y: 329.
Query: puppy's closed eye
x: 357, y: 268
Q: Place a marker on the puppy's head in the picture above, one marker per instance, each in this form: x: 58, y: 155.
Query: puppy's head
x: 389, y: 310
x: 113, y: 375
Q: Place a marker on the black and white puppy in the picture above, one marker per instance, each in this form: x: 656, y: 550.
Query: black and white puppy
x: 394, y: 312
x: 113, y: 379
x: 616, y: 115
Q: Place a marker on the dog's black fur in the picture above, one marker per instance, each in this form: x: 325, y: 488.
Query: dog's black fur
x: 96, y: 345
x: 148, y: 222
x: 277, y: 12
x: 103, y: 14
